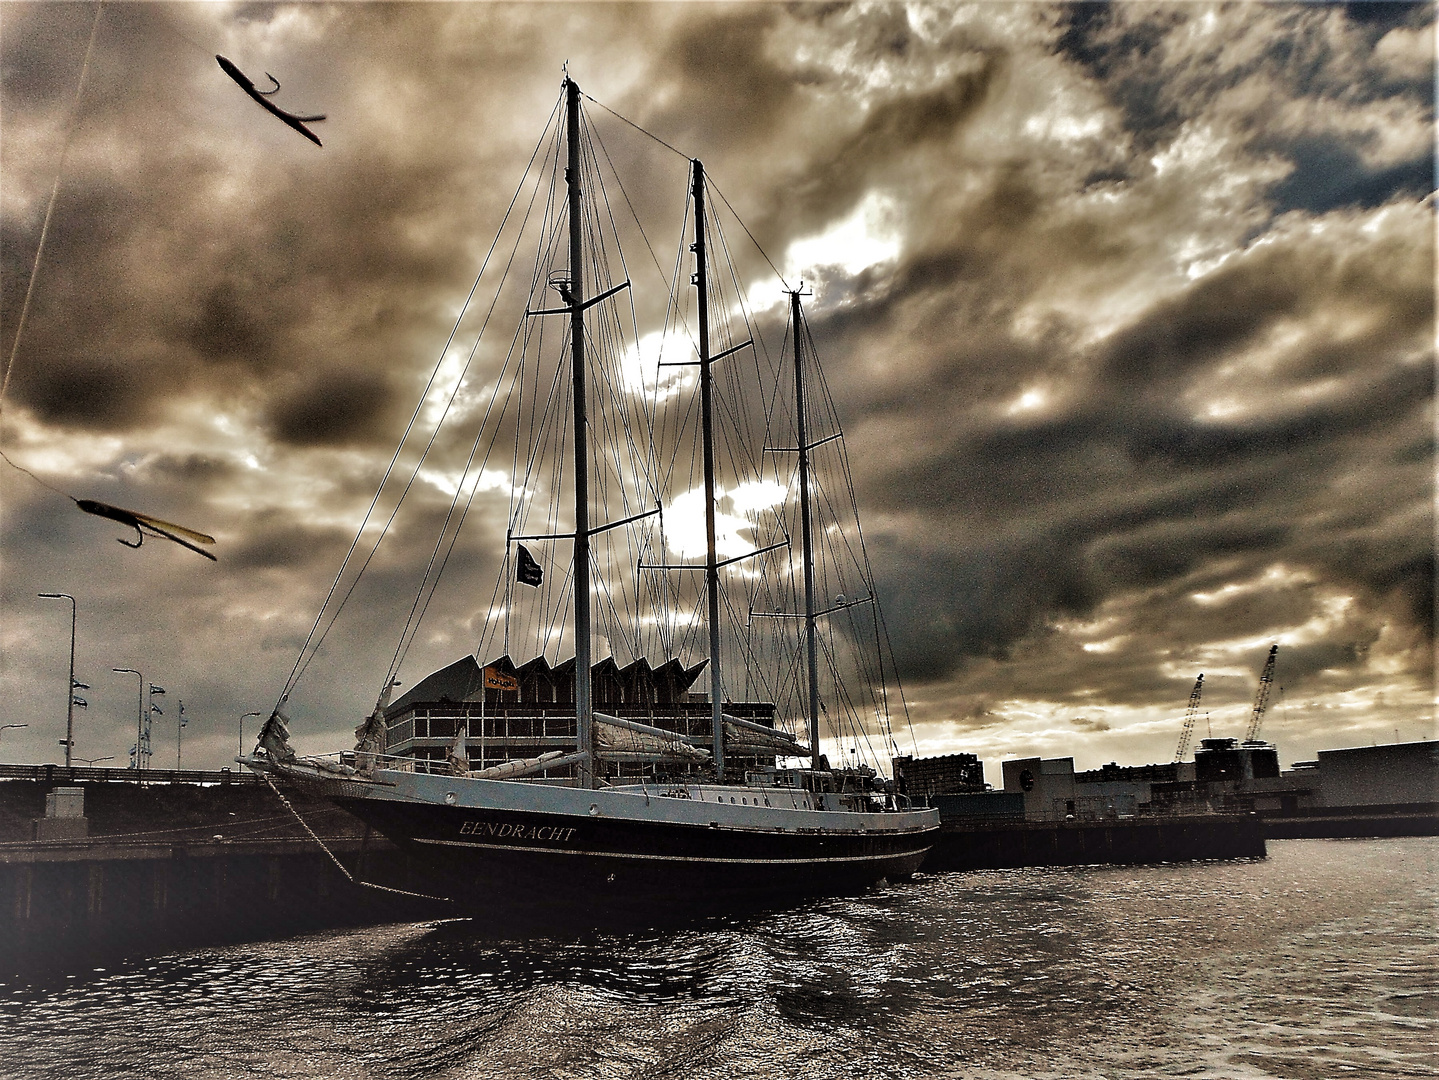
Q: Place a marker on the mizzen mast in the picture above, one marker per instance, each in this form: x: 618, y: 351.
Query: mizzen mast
x: 807, y: 539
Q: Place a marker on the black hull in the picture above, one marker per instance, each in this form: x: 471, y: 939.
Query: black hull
x: 537, y: 867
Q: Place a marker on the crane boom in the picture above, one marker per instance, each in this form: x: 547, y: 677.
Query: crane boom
x: 1261, y: 699
x: 1190, y: 714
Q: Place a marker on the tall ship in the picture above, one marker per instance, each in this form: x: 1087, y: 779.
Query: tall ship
x: 700, y: 485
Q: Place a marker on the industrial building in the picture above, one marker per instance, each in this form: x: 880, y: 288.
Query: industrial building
x: 949, y: 774
x: 1358, y: 791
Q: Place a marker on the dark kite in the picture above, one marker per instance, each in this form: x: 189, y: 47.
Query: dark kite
x: 262, y: 96
x: 144, y: 523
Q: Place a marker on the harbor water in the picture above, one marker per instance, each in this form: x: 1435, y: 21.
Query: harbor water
x: 1320, y: 961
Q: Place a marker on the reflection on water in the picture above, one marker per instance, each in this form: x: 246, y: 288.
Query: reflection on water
x: 1320, y: 961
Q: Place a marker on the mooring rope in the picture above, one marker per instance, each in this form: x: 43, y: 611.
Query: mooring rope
x: 335, y: 859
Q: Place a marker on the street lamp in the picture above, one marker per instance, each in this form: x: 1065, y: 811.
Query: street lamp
x: 242, y: 730
x: 6, y: 727
x: 150, y: 714
x: 139, y: 716
x: 70, y: 684
x: 91, y: 761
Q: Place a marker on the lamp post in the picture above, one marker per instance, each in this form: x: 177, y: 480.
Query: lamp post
x: 70, y: 683
x: 150, y: 715
x: 242, y: 730
x: 180, y: 723
x: 139, y: 715
x: 92, y: 760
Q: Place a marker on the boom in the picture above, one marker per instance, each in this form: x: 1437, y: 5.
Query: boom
x: 1261, y: 699
x: 1189, y: 716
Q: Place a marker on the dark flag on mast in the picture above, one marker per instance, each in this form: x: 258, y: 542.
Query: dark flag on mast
x: 527, y: 570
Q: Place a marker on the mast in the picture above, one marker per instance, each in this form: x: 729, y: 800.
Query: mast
x: 809, y: 630
x: 584, y: 720
x: 707, y: 420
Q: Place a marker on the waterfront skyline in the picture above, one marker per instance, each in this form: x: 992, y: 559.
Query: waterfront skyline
x: 1128, y: 313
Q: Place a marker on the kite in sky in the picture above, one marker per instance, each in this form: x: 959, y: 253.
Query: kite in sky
x: 142, y: 523
x: 262, y: 96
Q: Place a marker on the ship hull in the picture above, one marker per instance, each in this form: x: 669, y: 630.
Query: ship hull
x: 537, y: 853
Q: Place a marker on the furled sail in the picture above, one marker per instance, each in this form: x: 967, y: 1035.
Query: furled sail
x: 616, y: 738
x: 743, y: 735
x: 370, y: 740
x: 506, y: 770
x: 458, y: 754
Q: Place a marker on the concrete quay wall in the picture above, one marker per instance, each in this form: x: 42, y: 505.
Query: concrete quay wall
x: 1012, y: 844
x: 161, y: 865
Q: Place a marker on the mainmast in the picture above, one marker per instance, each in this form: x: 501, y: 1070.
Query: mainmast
x: 809, y: 616
x: 584, y: 717
x: 707, y: 420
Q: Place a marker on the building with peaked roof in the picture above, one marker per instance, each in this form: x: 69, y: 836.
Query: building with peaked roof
x: 539, y: 716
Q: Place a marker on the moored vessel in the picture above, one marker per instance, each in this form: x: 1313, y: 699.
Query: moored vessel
x: 604, y: 796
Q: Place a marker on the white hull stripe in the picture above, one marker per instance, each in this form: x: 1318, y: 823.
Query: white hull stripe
x: 669, y: 858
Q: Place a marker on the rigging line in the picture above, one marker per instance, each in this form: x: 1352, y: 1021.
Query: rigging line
x: 753, y: 668
x: 633, y: 213
x: 70, y: 127
x: 528, y: 335
x: 715, y: 188
x: 521, y: 333
x: 631, y: 123
x: 648, y: 407
x: 882, y: 638
x: 675, y: 426
x: 412, y: 624
x: 405, y: 492
x: 474, y: 488
x: 774, y: 380
x: 410, y: 633
x: 546, y: 256
x: 554, y: 402
x: 300, y: 662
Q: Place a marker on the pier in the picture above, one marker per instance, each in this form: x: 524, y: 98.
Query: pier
x: 163, y: 859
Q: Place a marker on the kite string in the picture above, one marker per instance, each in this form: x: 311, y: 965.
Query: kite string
x: 32, y: 476
x: 50, y: 207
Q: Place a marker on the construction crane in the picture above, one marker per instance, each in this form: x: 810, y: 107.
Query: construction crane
x: 1189, y: 716
x: 1261, y: 699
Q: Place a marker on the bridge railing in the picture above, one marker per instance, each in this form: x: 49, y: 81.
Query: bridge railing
x: 88, y: 774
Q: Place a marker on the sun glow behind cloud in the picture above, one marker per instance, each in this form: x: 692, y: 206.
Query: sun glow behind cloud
x: 685, y: 519
x: 868, y: 237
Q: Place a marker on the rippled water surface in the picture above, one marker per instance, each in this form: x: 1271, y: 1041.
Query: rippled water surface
x: 1320, y: 961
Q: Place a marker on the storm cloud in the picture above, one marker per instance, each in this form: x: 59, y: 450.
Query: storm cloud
x: 1128, y: 312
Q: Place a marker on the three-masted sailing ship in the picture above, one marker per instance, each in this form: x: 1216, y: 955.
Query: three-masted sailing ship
x: 529, y: 787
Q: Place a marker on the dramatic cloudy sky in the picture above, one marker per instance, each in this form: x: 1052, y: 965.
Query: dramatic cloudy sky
x: 1129, y: 312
